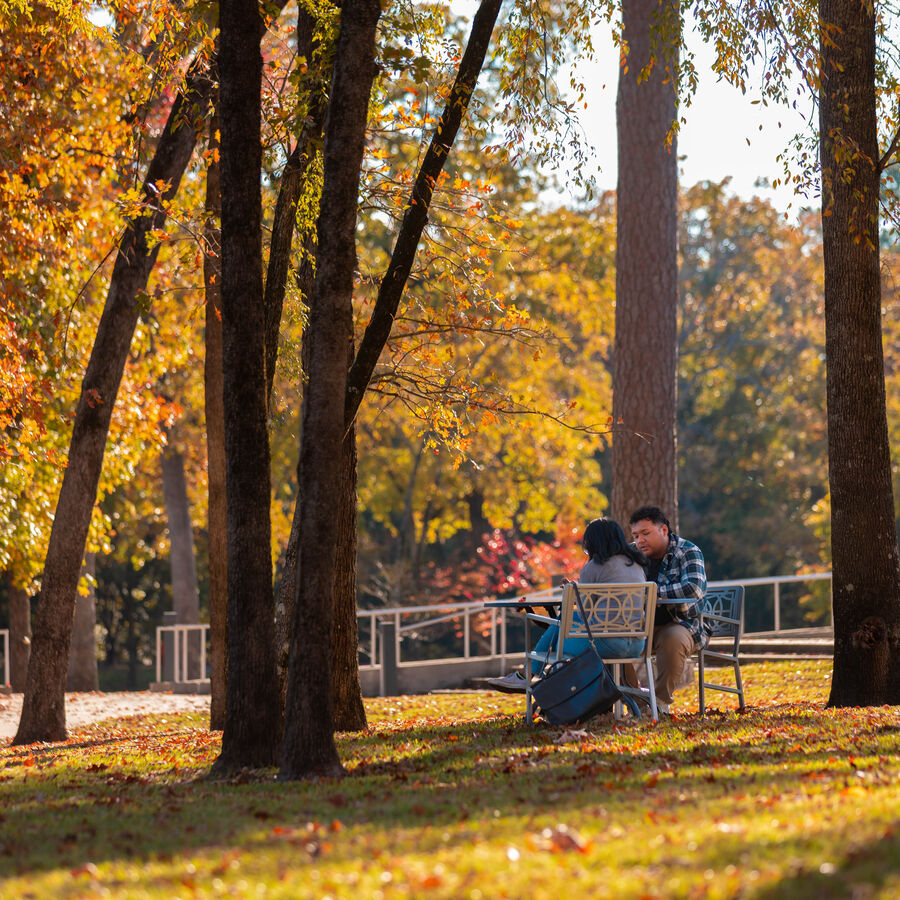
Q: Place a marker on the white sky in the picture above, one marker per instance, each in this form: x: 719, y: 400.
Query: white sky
x: 713, y: 142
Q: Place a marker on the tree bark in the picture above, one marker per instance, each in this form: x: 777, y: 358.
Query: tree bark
x: 215, y: 438
x: 309, y: 748
x: 283, y: 226
x: 292, y: 178
x: 349, y: 711
x: 251, y: 735
x: 287, y: 588
x: 19, y: 636
x: 43, y: 709
x: 865, y: 564
x: 82, y: 674
x: 185, y: 594
x: 644, y: 456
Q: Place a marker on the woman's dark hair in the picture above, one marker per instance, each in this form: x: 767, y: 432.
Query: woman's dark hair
x: 604, y: 538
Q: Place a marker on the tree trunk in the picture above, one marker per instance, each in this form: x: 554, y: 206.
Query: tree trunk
x: 43, y: 709
x: 82, y: 672
x: 215, y: 438
x: 19, y: 636
x: 292, y: 179
x: 309, y: 748
x: 865, y: 565
x: 644, y: 460
x: 349, y: 712
x: 251, y: 735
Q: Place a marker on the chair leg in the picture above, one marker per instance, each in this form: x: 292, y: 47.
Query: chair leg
x: 529, y: 711
x: 739, y: 683
x: 618, y: 706
x: 702, y: 676
x: 651, y: 683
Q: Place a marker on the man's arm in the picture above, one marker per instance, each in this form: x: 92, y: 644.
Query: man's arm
x: 692, y: 585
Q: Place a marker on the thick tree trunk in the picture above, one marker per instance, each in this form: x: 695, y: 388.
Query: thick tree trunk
x: 349, y: 712
x: 82, y: 674
x: 215, y: 439
x: 185, y: 593
x: 309, y: 748
x: 251, y: 735
x: 292, y: 179
x: 644, y: 460
x: 19, y: 636
x: 43, y: 710
x: 865, y: 565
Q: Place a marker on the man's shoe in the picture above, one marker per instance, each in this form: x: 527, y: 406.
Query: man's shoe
x: 514, y: 683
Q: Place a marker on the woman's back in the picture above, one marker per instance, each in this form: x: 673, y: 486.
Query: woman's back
x: 618, y: 569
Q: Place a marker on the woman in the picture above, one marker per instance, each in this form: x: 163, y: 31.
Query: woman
x: 612, y: 560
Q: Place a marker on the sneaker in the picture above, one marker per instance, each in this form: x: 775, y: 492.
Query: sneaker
x: 514, y: 683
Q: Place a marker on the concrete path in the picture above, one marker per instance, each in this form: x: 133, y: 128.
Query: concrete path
x: 83, y: 709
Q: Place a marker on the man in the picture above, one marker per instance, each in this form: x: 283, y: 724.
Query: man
x: 677, y: 567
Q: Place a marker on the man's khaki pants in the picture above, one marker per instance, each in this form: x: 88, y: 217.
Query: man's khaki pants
x: 672, y: 646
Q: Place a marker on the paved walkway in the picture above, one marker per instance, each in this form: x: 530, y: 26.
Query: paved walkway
x: 83, y: 709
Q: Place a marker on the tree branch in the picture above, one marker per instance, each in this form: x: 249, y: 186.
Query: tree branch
x: 416, y: 217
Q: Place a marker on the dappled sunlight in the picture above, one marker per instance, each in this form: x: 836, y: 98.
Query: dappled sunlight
x: 454, y: 794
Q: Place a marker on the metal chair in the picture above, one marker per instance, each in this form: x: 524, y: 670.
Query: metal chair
x: 613, y: 611
x: 723, y: 614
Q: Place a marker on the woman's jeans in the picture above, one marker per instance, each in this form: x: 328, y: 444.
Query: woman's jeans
x: 608, y: 648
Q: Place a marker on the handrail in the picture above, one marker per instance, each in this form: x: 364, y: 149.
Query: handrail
x: 449, y: 611
x: 464, y: 608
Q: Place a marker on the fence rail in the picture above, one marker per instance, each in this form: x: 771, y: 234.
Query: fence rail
x: 501, y: 619
x: 174, y: 654
x: 492, y: 636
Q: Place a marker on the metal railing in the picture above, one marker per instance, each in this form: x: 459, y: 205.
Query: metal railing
x: 4, y: 634
x: 500, y: 619
x: 495, y: 633
x: 178, y: 645
x: 776, y: 583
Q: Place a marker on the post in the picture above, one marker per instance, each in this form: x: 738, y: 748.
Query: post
x: 185, y: 638
x: 388, y: 672
x: 777, y: 606
x: 168, y: 647
x: 204, y: 631
x: 467, y: 633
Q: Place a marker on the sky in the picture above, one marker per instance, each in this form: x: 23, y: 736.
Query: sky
x: 713, y: 143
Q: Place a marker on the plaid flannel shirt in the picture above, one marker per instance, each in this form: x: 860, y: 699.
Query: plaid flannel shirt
x: 682, y: 575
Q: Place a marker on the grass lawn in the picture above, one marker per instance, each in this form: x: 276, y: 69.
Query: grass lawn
x: 452, y: 795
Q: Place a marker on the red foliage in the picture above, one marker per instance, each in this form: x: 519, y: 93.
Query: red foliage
x: 503, y: 565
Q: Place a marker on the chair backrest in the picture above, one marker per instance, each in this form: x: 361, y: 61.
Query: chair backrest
x: 727, y: 602
x: 613, y: 610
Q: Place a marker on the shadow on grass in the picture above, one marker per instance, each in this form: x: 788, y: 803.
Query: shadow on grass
x: 436, y: 775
